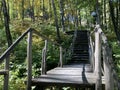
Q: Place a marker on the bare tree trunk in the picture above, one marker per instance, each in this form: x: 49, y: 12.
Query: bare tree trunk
x: 80, y: 18
x: 105, y: 22
x: 22, y: 10
x: 43, y: 8
x: 119, y: 15
x: 50, y: 9
x: 114, y: 21
x: 56, y: 21
x: 8, y: 8
x: 32, y: 11
x: 1, y: 16
x: 97, y: 11
x: 6, y: 20
x: 62, y: 14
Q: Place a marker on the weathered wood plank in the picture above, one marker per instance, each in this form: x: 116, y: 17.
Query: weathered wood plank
x: 71, y: 70
x: 61, y: 56
x: 44, y: 53
x: 3, y: 72
x: 6, y: 76
x: 67, y: 75
x: 64, y: 79
x: 98, y: 60
x: 109, y: 81
x: 29, y: 62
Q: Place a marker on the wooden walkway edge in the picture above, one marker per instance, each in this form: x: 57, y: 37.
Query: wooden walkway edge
x: 68, y: 75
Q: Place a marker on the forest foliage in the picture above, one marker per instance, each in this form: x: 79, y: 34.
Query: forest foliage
x: 52, y: 18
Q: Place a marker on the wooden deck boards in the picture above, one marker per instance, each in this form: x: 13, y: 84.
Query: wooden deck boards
x: 67, y: 75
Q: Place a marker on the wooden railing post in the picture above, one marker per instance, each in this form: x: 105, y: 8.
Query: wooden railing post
x: 43, y: 64
x: 98, y: 61
x: 109, y: 82
x: 92, y: 59
x: 29, y: 62
x: 6, y: 76
x: 61, y: 57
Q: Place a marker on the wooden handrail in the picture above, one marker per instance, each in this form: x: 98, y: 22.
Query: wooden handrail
x: 6, y: 54
x: 43, y: 64
x: 3, y: 56
x: 109, y: 71
x: 91, y: 51
x: 97, y: 70
x: 3, y: 72
x: 45, y: 38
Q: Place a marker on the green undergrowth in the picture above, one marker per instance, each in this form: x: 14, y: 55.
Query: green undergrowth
x: 18, y: 60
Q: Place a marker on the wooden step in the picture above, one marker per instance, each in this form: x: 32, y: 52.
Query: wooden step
x: 79, y: 59
x: 80, y: 42
x: 79, y: 52
x: 76, y: 44
x: 78, y: 62
x: 80, y: 55
x: 69, y: 75
x: 80, y: 49
x: 81, y: 46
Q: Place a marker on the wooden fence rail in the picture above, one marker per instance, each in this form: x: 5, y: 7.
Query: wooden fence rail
x: 101, y: 49
x: 109, y: 72
x: 6, y: 54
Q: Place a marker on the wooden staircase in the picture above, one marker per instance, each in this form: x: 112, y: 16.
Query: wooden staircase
x: 80, y: 50
x: 77, y: 72
x: 68, y: 75
x: 83, y: 70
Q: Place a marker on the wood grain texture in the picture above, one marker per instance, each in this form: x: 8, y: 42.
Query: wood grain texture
x: 68, y: 75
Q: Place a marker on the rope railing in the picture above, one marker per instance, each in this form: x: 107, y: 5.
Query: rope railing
x: 6, y: 54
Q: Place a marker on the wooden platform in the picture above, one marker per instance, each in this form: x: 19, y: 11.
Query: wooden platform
x: 68, y: 75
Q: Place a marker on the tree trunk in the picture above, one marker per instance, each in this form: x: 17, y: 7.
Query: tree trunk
x: 32, y: 9
x: 43, y: 8
x: 97, y: 11
x: 56, y: 22
x: 50, y: 9
x: 80, y: 23
x: 1, y: 16
x: 114, y: 21
x: 6, y: 20
x: 62, y: 14
x: 105, y: 22
x: 97, y: 71
x: 119, y: 15
x: 22, y: 10
x: 8, y: 8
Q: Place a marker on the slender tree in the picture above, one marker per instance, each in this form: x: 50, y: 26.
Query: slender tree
x: 43, y: 8
x: 22, y: 10
x: 105, y: 20
x: 6, y: 22
x: 62, y: 14
x: 97, y: 11
x: 1, y: 16
x: 114, y: 21
x: 56, y: 22
x: 50, y: 9
x: 32, y: 11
